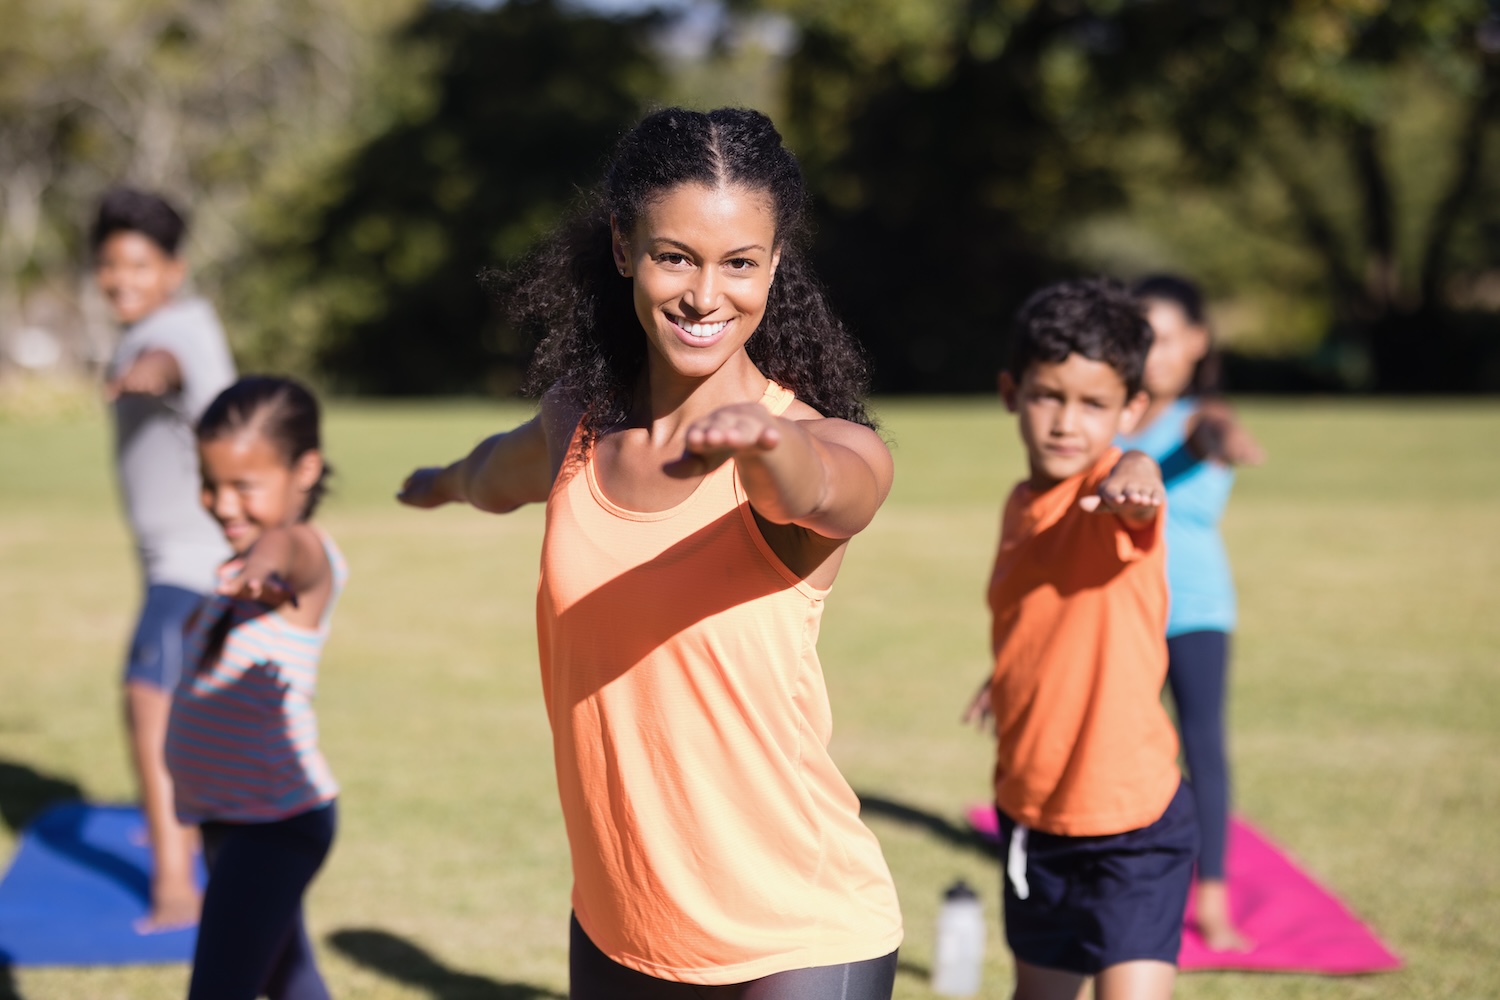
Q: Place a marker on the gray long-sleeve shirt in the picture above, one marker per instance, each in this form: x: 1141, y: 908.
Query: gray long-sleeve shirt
x: 156, y: 454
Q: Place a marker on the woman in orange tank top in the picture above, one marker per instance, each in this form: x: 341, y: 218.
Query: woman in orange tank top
x: 705, y: 456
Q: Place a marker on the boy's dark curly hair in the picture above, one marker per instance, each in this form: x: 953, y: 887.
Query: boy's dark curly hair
x: 1093, y: 317
x: 125, y: 209
x: 569, y: 294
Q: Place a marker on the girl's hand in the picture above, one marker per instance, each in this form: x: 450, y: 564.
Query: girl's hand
x: 1133, y: 490
x: 731, y: 430
x: 245, y: 580
x: 980, y: 712
x: 1219, y: 437
x: 427, y: 488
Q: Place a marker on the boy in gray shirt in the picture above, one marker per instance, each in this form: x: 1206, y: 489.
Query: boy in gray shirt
x: 172, y: 360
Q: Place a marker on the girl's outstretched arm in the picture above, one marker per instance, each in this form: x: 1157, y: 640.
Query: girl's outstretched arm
x: 504, y: 471
x: 1217, y: 435
x: 284, y: 566
x: 824, y: 475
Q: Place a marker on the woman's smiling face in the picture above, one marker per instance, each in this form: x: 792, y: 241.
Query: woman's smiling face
x: 702, y: 259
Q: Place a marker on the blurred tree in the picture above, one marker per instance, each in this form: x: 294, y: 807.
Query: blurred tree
x: 1373, y: 121
x: 958, y: 157
x: 201, y: 100
x: 374, y: 268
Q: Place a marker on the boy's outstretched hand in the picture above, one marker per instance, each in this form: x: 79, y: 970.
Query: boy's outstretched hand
x: 1133, y: 490
x: 152, y: 373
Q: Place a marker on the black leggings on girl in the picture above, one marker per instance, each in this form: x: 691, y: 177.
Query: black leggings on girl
x: 1197, y: 664
x: 251, y: 939
x: 593, y: 975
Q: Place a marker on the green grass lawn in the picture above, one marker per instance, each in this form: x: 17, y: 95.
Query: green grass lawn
x: 1365, y: 708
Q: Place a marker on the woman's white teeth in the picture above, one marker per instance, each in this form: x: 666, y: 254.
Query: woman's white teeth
x: 704, y: 330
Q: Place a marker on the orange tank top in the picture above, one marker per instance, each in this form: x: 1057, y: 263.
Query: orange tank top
x: 713, y: 839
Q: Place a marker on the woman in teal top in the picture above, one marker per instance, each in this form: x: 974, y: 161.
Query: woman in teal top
x: 1196, y: 440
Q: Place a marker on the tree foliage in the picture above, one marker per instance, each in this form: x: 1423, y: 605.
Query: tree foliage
x: 378, y: 275
x: 205, y: 101
x: 1345, y: 139
x: 1329, y: 168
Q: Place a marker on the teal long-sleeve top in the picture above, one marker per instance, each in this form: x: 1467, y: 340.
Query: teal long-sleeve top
x: 1198, y: 575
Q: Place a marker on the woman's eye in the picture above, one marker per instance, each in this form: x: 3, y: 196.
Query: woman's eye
x: 740, y: 264
x: 671, y: 259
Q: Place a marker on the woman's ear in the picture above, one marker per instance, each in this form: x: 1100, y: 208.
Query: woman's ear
x: 307, y: 469
x: 1201, y: 342
x: 618, y: 247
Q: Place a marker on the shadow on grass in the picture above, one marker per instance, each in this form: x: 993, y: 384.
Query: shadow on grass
x: 399, y: 959
x: 915, y: 970
x: 941, y: 827
x: 24, y: 792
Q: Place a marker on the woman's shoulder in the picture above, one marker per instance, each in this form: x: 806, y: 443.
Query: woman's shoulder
x: 798, y: 410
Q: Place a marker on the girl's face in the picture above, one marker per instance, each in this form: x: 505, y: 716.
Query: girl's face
x: 136, y: 275
x: 249, y: 488
x: 1177, y: 345
x: 702, y: 260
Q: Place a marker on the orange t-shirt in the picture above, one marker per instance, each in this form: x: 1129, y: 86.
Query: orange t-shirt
x: 1079, y: 616
x: 713, y: 839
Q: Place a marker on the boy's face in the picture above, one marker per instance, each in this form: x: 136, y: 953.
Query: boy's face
x: 1070, y: 412
x: 136, y: 275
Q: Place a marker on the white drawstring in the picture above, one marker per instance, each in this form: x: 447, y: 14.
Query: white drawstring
x: 1015, y: 862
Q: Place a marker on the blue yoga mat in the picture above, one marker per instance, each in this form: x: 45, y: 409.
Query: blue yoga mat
x: 77, y: 885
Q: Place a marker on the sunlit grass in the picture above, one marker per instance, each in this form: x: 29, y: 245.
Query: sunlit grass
x: 1365, y: 713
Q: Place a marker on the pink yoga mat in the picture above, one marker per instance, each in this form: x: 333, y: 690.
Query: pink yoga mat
x: 1296, y: 924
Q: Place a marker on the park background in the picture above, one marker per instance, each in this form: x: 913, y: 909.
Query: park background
x: 1329, y: 170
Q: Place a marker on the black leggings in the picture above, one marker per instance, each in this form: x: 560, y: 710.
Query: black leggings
x: 593, y: 975
x: 1197, y: 665
x: 251, y: 938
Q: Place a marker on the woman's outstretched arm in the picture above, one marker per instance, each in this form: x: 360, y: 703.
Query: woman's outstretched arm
x: 824, y: 475
x: 504, y: 471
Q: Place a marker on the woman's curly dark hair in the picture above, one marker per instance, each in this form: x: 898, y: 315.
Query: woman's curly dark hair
x: 570, y: 295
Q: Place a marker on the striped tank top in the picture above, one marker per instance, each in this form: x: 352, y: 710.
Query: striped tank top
x: 713, y: 838
x: 242, y: 742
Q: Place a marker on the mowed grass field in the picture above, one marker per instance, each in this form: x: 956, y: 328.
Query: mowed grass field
x: 1365, y: 707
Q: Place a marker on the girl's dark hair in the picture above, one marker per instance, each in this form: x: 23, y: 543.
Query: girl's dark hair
x: 282, y: 410
x: 125, y: 209
x: 1185, y: 294
x: 570, y: 296
x: 1092, y: 317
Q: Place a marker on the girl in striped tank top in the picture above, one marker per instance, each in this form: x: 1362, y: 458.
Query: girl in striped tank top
x: 242, y: 743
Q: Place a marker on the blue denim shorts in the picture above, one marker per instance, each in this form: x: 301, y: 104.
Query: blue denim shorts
x: 156, y: 649
x: 1093, y: 902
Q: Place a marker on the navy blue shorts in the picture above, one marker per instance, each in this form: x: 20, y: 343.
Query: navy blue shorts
x: 1093, y: 902
x: 156, y: 649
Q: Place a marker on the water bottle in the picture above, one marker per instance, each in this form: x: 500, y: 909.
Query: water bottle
x: 959, y: 956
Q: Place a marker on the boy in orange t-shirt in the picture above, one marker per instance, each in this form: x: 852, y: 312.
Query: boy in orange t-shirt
x: 1097, y: 826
